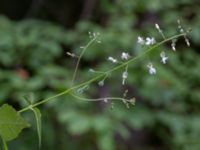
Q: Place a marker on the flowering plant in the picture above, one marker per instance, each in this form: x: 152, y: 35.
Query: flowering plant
x: 11, y: 120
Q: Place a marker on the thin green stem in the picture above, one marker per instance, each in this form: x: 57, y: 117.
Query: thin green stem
x: 98, y: 72
x: 99, y: 99
x: 101, y: 75
x: 79, y: 58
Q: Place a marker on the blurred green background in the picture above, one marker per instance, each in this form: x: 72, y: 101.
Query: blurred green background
x: 34, y: 38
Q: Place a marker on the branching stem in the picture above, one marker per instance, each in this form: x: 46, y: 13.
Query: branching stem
x: 67, y: 91
x: 79, y: 58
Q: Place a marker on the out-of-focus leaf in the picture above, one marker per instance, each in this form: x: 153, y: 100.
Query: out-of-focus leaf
x: 38, y: 124
x: 11, y: 123
x: 5, y: 147
x: 106, y: 141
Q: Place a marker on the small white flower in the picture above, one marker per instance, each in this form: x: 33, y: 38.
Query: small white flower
x: 181, y: 30
x: 150, y: 41
x: 101, y: 83
x: 125, y: 56
x: 157, y: 26
x: 71, y: 54
x: 105, y: 100
x: 112, y: 59
x: 187, y: 42
x: 140, y: 40
x: 152, y: 70
x: 91, y: 70
x: 173, y: 44
x: 124, y: 77
x: 164, y: 58
x: 173, y: 47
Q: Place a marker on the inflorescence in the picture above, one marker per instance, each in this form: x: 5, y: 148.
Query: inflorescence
x: 124, y: 61
x: 125, y: 57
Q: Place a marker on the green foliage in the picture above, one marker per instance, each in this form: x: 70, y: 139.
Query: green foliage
x: 11, y: 123
x: 32, y: 59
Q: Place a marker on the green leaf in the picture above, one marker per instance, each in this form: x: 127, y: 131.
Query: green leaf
x: 5, y: 147
x: 11, y: 123
x: 105, y: 141
x: 38, y: 123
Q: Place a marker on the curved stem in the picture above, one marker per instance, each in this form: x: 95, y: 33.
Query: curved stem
x: 99, y: 99
x: 101, y: 75
x: 79, y: 58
